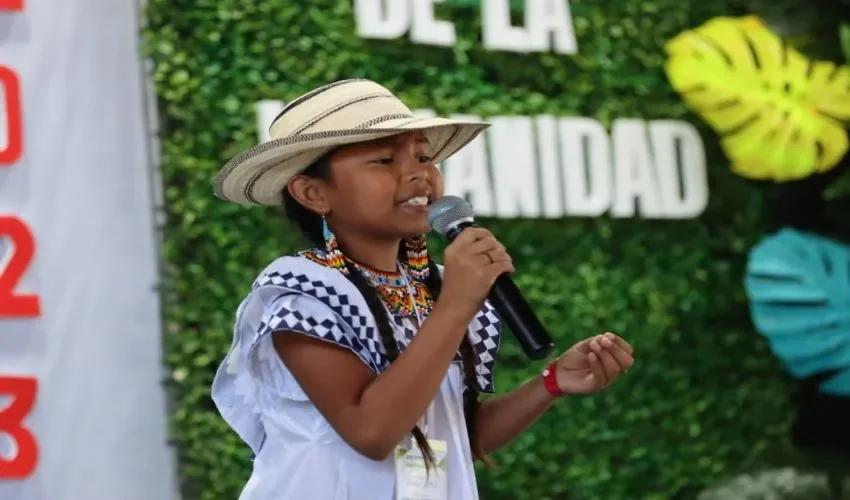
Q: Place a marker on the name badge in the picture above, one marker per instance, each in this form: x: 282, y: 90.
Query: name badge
x: 415, y: 482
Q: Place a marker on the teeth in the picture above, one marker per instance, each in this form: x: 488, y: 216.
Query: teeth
x: 418, y: 200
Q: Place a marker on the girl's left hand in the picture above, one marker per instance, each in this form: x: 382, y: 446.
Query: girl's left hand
x: 593, y: 364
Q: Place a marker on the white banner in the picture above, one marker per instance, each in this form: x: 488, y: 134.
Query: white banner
x: 82, y: 407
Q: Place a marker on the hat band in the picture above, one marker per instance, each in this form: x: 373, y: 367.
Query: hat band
x: 336, y: 109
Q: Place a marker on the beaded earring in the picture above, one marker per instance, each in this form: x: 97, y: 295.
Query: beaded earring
x: 333, y: 257
x: 417, y: 257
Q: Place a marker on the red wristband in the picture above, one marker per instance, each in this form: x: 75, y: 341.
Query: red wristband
x: 550, y: 381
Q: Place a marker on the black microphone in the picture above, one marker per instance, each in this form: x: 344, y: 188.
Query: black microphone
x: 449, y: 216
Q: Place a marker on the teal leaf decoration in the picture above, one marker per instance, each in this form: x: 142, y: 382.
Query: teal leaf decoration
x: 798, y: 285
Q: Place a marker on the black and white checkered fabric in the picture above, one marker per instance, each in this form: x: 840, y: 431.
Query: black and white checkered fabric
x: 356, y: 329
x: 485, y: 333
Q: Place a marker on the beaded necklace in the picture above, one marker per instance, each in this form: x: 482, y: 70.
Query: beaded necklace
x: 392, y: 287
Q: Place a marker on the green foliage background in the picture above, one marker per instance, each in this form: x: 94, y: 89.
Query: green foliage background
x: 706, y: 399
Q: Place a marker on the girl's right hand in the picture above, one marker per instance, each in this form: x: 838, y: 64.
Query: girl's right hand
x: 472, y: 263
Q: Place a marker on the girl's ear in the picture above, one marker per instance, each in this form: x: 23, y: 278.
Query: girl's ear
x: 310, y: 192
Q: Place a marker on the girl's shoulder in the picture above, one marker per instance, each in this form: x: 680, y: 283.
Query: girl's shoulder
x: 306, y: 276
x: 304, y: 271
x: 300, y: 293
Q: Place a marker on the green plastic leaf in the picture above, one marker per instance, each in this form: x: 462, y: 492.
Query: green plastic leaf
x: 776, y: 111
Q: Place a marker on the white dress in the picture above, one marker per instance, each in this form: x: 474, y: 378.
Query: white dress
x: 298, y: 455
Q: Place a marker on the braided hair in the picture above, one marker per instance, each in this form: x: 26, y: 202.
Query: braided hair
x: 310, y: 224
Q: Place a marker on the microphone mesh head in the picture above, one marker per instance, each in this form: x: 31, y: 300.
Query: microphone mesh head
x: 447, y: 211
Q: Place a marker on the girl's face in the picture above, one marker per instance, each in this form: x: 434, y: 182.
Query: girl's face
x: 377, y: 190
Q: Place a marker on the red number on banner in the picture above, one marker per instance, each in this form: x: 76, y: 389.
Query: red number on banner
x: 23, y: 391
x: 16, y: 5
x: 14, y: 127
x: 23, y: 249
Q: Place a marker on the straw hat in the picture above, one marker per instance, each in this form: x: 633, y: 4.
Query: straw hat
x: 312, y: 125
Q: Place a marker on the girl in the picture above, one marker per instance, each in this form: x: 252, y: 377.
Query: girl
x: 356, y: 366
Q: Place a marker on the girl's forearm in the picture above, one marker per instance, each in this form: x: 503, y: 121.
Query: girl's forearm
x: 502, y: 419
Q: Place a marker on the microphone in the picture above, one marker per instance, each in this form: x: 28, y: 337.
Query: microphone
x: 449, y: 216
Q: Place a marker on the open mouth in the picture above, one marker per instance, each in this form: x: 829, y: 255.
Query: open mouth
x: 418, y: 201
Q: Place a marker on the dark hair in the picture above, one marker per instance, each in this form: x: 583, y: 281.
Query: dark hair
x: 310, y: 224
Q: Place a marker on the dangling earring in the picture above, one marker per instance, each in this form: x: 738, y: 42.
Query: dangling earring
x: 333, y: 257
x: 417, y: 257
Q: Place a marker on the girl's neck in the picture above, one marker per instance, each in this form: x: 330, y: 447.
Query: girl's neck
x: 379, y: 256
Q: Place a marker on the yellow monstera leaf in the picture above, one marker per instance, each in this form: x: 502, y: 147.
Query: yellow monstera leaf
x: 778, y: 113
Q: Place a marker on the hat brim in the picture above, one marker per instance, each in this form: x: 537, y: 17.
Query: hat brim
x: 257, y: 176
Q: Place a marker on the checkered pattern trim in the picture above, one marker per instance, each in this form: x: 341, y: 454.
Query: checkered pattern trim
x: 485, y: 333
x: 357, y: 330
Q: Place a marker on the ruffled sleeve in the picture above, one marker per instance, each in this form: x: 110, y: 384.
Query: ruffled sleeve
x: 300, y: 314
x: 296, y: 295
x: 304, y: 313
x: 334, y: 311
